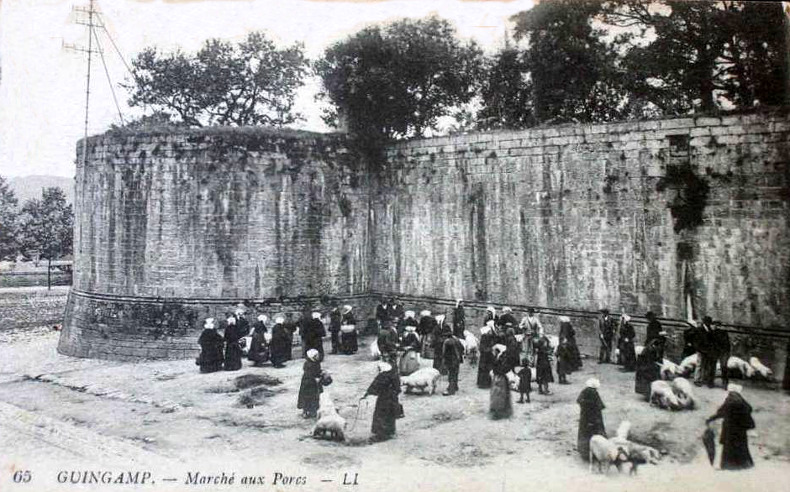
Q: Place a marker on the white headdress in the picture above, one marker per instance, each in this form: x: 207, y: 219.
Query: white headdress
x: 564, y: 319
x: 231, y: 320
x: 279, y: 320
x: 312, y: 354
x: 440, y: 318
x: 384, y: 367
x: 593, y: 383
x: 209, y: 323
x: 409, y: 314
x: 347, y: 308
x: 263, y: 317
x: 425, y: 312
x: 734, y: 388
x: 316, y: 315
x: 491, y: 308
x: 507, y: 309
x: 625, y: 318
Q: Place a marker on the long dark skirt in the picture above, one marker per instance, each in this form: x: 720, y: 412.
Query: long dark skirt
x: 543, y: 373
x: 628, y: 356
x: 233, y: 355
x: 501, y: 405
x: 348, y: 343
x: 308, y: 395
x: 735, y: 451
x: 484, y: 371
x: 647, y: 371
x: 384, y: 416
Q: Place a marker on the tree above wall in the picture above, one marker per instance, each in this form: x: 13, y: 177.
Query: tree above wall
x: 398, y: 79
x: 250, y: 83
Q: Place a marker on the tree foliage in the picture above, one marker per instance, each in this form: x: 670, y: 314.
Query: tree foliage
x: 397, y: 80
x: 591, y: 61
x: 705, y: 56
x: 250, y: 83
x: 9, y: 245
x: 46, y: 225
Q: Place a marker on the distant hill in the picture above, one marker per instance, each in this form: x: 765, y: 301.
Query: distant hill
x: 27, y: 187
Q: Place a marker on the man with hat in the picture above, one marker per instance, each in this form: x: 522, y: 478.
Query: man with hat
x: 606, y: 328
x: 452, y: 356
x: 653, y: 327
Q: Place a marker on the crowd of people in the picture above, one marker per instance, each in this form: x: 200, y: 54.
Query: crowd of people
x: 506, y: 346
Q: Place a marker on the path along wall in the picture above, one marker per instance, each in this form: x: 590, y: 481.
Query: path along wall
x: 174, y: 227
x: 668, y: 216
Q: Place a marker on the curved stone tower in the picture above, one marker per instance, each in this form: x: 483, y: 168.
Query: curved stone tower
x: 177, y: 226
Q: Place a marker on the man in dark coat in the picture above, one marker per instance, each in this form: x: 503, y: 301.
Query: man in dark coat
x: 722, y: 349
x: 459, y: 319
x: 382, y: 312
x: 282, y: 342
x: 590, y: 417
x: 233, y: 352
x: 737, y: 415
x: 386, y: 387
x: 486, y: 362
x: 606, y: 337
x: 313, y: 336
x: 690, y: 335
x: 452, y: 356
x: 395, y: 313
x: 653, y: 327
x: 211, y: 348
x: 335, y: 320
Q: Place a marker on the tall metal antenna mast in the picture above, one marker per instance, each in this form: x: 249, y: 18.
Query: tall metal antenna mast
x: 92, y: 13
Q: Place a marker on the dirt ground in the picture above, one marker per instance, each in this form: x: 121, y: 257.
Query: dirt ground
x: 64, y: 414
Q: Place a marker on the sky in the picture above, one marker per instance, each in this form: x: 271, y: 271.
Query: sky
x: 42, y: 89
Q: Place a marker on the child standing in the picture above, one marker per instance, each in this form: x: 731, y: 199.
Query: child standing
x: 525, y: 381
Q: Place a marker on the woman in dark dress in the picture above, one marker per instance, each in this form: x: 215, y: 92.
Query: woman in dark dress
x: 626, y: 343
x: 311, y: 384
x: 590, y: 417
x: 486, y: 362
x: 647, y: 365
x: 568, y: 333
x: 501, y: 405
x: 348, y: 332
x: 542, y: 353
x: 211, y: 347
x: 259, y: 346
x: 459, y: 319
x: 282, y: 342
x: 564, y: 361
x: 737, y: 415
x: 233, y: 352
x: 386, y: 388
